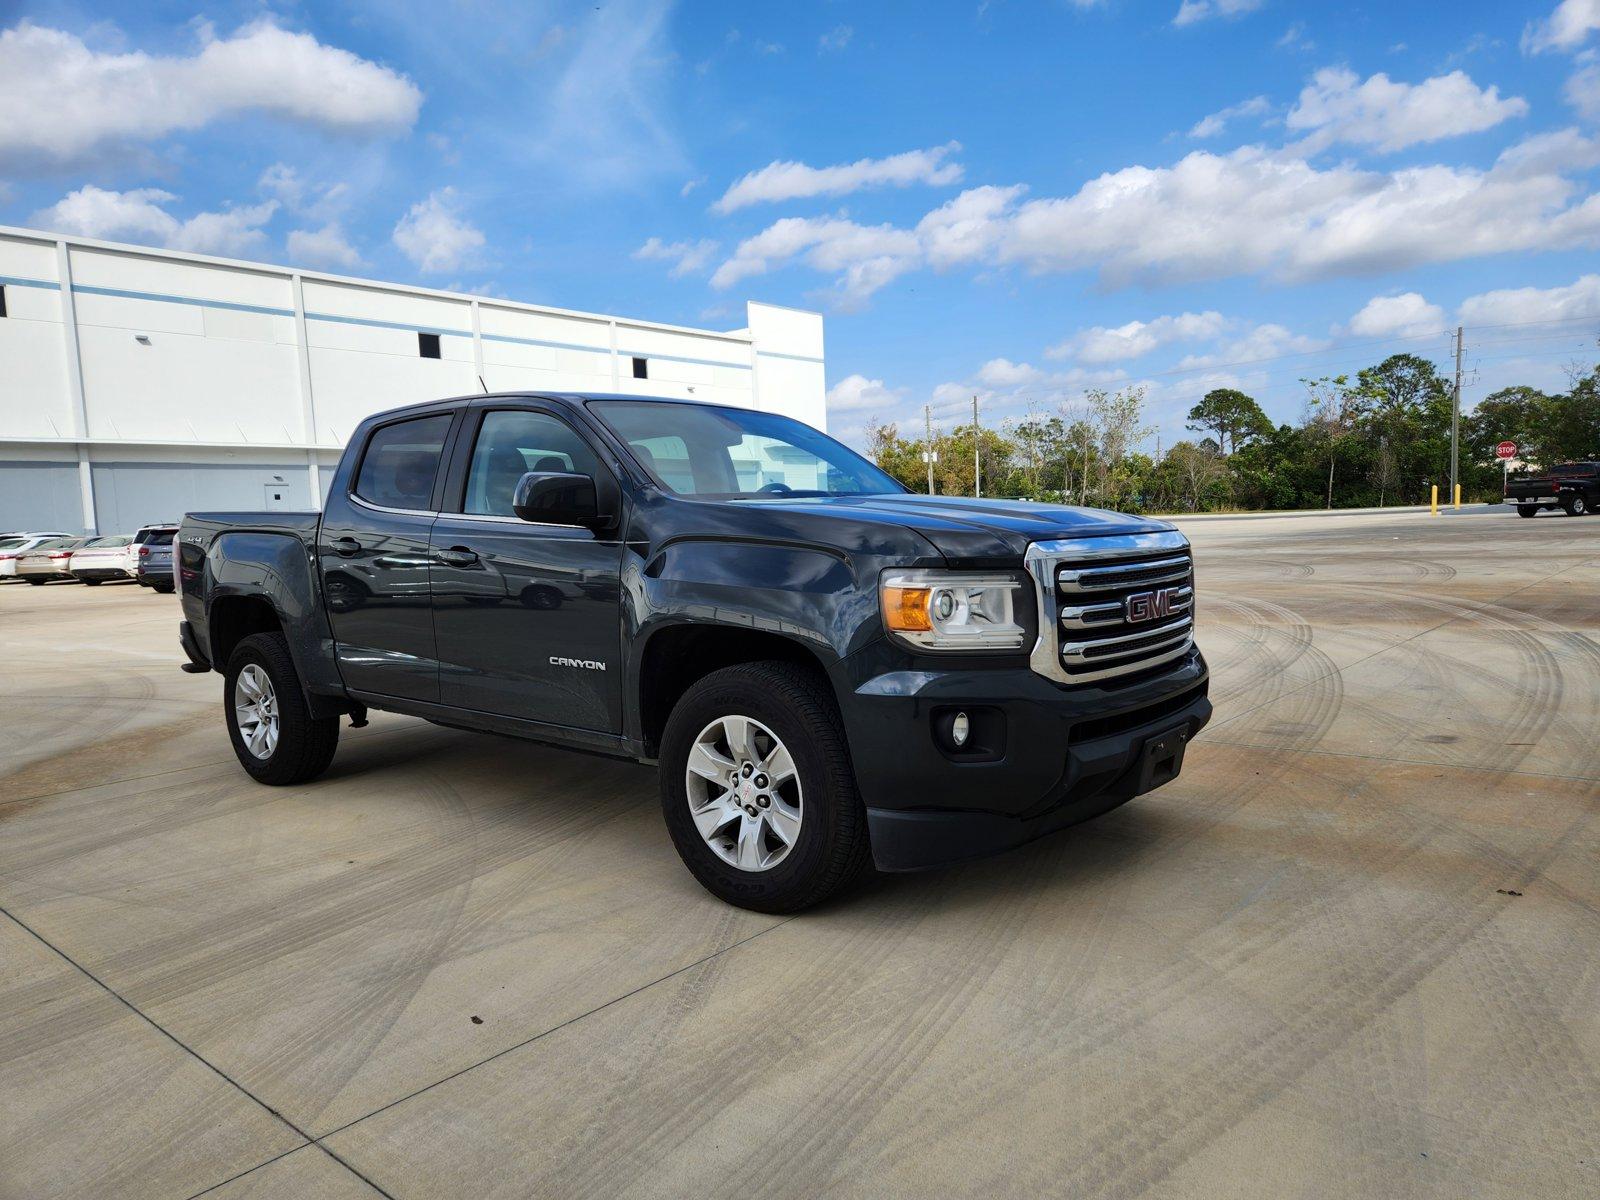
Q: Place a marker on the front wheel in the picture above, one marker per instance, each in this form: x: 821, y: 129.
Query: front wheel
x: 36, y: 582
x: 274, y: 735
x: 1576, y: 507
x: 758, y: 791
x: 1527, y: 510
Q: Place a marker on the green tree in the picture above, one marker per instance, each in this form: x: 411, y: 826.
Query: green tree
x: 1232, y: 416
x: 896, y: 455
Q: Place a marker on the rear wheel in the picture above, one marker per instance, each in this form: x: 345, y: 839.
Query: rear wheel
x: 757, y: 788
x: 275, y: 737
x: 36, y: 582
x: 1527, y: 510
x: 93, y: 582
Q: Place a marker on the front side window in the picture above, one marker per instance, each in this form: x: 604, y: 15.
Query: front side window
x: 398, y: 469
x: 711, y: 452
x: 509, y: 445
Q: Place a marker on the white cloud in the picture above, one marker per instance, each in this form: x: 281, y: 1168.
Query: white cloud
x: 433, y: 237
x: 1192, y: 11
x: 687, y: 258
x: 1582, y: 91
x: 1214, y: 216
x: 1294, y: 38
x: 780, y: 181
x: 836, y: 39
x: 1258, y: 342
x: 1003, y: 373
x: 139, y: 216
x: 1521, y: 306
x: 865, y: 257
x: 1214, y: 124
x: 1337, y: 106
x: 325, y: 247
x: 1566, y: 28
x: 1405, y: 315
x: 315, y: 201
x: 78, y: 101
x: 858, y: 394
x: 1100, y: 344
x: 606, y: 136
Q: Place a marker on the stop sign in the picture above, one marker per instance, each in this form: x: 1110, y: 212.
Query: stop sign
x: 1506, y: 450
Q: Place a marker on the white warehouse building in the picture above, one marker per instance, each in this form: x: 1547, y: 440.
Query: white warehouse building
x: 138, y: 384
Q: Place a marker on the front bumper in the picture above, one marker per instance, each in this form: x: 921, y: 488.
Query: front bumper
x: 1068, y: 754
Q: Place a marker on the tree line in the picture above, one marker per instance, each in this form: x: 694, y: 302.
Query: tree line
x: 1379, y: 437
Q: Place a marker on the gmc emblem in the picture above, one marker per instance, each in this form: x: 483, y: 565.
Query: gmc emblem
x: 1151, y: 606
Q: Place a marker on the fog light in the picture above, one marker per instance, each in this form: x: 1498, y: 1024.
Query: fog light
x: 960, y: 730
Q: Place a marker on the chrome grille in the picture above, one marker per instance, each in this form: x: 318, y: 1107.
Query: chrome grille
x: 1120, y: 604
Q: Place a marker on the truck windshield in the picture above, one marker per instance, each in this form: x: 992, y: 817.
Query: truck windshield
x: 711, y: 452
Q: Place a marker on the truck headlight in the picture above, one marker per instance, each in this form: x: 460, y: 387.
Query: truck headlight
x: 953, y: 610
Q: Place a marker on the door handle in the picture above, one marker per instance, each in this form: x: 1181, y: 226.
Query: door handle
x: 457, y: 556
x: 345, y: 547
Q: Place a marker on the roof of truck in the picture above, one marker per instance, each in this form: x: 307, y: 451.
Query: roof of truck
x: 568, y: 397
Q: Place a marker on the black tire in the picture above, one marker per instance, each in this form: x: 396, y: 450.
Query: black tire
x: 165, y: 589
x: 36, y: 582
x: 93, y: 582
x: 1527, y: 510
x: 831, y: 850
x: 1577, y: 506
x: 305, y: 743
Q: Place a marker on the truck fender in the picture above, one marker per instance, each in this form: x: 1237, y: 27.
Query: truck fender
x: 278, y: 568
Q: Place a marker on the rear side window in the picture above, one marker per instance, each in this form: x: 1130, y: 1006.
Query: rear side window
x: 398, y: 468
x: 118, y: 540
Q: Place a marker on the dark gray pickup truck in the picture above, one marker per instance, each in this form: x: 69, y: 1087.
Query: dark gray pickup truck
x: 1574, y: 488
x: 830, y: 671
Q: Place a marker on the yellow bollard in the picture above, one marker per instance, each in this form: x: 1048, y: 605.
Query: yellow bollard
x: 1433, y: 502
x: 1458, y: 495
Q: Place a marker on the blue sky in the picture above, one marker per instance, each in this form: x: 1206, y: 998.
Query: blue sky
x: 1015, y: 199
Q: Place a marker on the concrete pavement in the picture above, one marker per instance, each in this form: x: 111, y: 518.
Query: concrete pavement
x: 1352, y: 951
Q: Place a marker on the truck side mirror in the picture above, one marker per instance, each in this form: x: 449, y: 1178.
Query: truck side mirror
x: 557, y: 498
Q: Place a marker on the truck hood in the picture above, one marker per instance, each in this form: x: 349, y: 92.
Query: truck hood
x: 961, y: 528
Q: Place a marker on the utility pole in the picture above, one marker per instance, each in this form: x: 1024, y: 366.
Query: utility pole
x: 1455, y: 426
x: 977, y: 445
x: 927, y: 442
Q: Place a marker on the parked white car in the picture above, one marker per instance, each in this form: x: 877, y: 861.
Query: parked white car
x: 103, y: 558
x: 17, y: 544
x: 50, y: 559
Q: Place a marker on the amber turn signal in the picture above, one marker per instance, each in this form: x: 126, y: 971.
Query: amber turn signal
x: 905, y: 609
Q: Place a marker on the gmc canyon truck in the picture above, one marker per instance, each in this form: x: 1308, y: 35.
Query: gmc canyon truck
x: 1572, y: 487
x: 830, y: 672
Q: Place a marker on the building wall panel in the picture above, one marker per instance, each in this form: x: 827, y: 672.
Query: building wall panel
x: 26, y: 258
x: 130, y: 494
x: 39, y: 495
x: 189, y: 388
x: 349, y: 386
x: 34, y: 397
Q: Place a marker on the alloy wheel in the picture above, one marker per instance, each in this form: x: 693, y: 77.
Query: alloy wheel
x: 744, y: 793
x: 255, y: 708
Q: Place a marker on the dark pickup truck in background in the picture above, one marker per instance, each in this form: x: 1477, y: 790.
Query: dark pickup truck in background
x: 1572, y: 487
x: 829, y: 670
